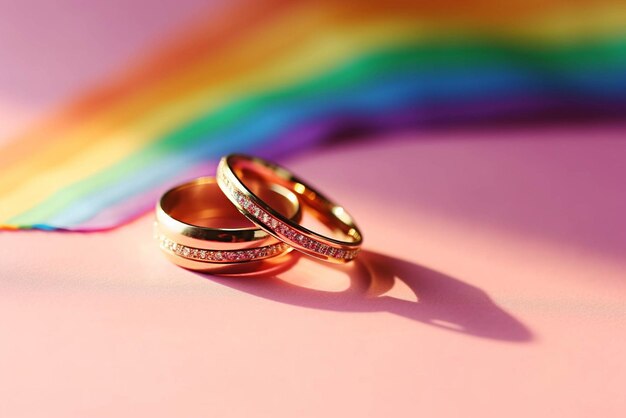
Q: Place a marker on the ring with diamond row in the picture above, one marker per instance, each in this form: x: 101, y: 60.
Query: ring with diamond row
x: 340, y: 244
x: 199, y: 229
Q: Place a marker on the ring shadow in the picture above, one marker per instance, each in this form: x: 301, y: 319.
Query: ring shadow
x: 442, y: 301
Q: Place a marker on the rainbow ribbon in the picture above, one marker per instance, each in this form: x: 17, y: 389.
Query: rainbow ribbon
x: 276, y: 77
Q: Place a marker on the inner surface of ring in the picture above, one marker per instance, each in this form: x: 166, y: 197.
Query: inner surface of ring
x: 203, y: 204
x: 334, y: 218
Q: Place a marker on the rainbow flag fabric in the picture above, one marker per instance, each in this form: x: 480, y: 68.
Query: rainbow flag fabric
x: 274, y: 77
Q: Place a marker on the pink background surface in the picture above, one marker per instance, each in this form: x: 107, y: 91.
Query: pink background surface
x: 492, y: 283
x: 51, y: 51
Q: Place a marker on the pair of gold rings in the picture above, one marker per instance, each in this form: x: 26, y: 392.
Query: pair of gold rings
x: 199, y: 224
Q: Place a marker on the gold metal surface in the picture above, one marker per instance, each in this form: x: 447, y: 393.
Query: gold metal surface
x: 234, y: 175
x: 198, y: 228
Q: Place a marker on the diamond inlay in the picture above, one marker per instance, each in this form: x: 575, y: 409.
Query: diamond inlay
x: 222, y: 255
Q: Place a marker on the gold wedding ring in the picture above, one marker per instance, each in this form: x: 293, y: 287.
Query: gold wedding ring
x: 341, y: 240
x: 199, y: 229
